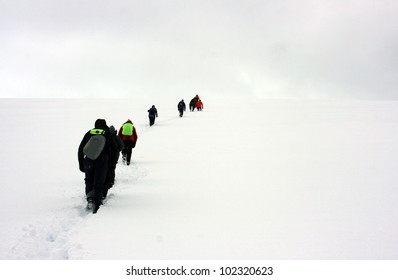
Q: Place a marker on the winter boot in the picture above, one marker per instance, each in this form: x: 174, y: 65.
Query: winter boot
x: 95, y: 208
x: 90, y: 203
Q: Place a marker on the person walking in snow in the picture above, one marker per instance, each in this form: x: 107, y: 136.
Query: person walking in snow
x: 128, y: 133
x: 181, y: 107
x: 192, y: 104
x: 110, y: 178
x: 152, y: 114
x: 199, y: 105
x: 94, y: 159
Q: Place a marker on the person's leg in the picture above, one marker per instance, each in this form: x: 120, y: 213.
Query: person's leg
x: 89, y: 178
x: 124, y: 151
x: 101, y: 171
x: 129, y: 155
x: 110, y: 177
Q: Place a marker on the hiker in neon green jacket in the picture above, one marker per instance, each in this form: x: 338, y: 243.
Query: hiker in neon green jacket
x: 128, y: 133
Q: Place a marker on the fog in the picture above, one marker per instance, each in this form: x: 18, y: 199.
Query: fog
x: 268, y: 49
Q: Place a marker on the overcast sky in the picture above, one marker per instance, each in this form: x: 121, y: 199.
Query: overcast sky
x: 264, y: 48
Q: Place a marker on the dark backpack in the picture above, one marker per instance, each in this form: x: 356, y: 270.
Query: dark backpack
x: 95, y: 144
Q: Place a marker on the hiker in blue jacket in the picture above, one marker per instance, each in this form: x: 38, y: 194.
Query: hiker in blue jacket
x: 181, y: 107
x: 96, y: 168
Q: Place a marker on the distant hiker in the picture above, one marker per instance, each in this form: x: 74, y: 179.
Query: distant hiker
x: 181, y: 107
x: 199, y: 105
x: 94, y: 155
x: 152, y: 114
x: 192, y: 104
x: 110, y: 178
x: 128, y: 133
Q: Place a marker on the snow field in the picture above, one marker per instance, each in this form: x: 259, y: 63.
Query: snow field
x: 243, y: 179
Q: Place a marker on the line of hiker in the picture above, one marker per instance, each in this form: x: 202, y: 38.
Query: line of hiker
x: 100, y: 149
x: 194, y: 103
x: 181, y: 107
x: 98, y: 155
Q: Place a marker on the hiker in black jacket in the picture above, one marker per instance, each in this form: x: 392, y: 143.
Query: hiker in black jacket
x: 110, y: 178
x: 96, y: 169
x: 181, y: 107
x: 192, y: 104
x: 152, y: 114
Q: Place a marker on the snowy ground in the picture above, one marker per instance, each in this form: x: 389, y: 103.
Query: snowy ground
x: 243, y: 179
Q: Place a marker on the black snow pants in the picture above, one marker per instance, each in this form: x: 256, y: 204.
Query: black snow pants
x: 96, y: 171
x: 151, y: 120
x: 128, y: 147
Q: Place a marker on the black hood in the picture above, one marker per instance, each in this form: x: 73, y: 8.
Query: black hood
x: 101, y: 124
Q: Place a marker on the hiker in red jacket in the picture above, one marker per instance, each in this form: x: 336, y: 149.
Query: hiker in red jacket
x: 199, y: 105
x: 128, y: 133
